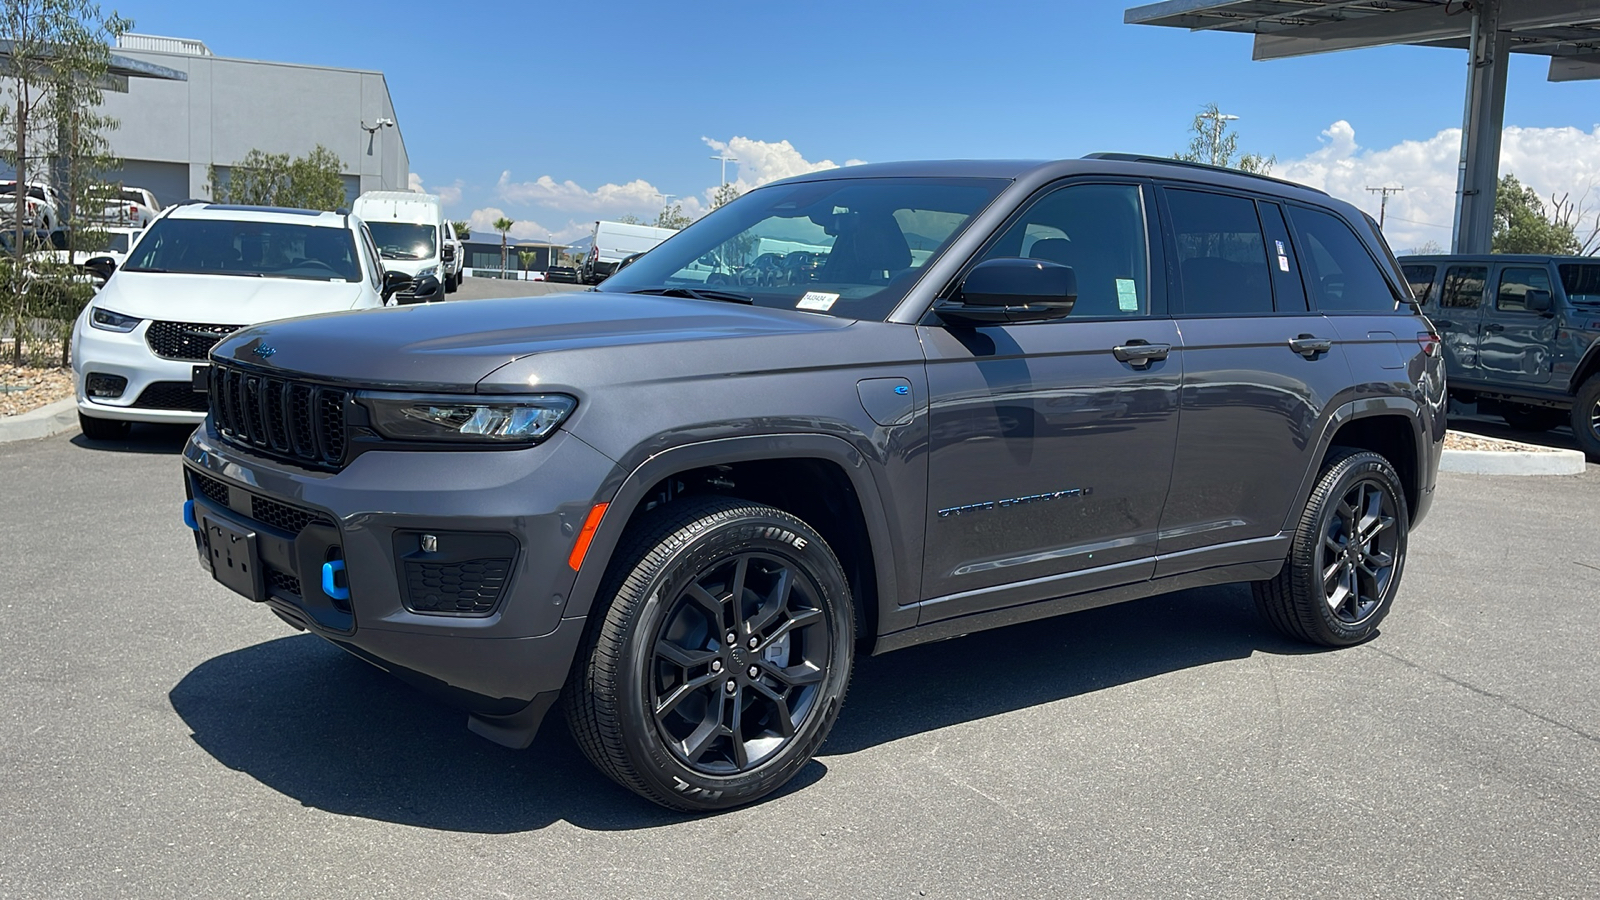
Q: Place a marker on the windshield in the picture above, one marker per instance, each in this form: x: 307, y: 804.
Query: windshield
x: 850, y: 247
x: 34, y: 191
x: 1582, y: 282
x: 259, y: 249
x: 403, y: 240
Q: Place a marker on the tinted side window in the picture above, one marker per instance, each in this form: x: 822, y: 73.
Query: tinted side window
x: 1222, y: 257
x: 1515, y: 285
x: 1340, y: 273
x: 1420, y: 277
x: 1097, y: 229
x: 1463, y: 287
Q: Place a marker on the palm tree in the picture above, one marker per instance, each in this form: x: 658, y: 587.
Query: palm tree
x: 503, y: 225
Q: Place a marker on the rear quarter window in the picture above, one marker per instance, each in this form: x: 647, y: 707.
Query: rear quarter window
x: 1340, y: 272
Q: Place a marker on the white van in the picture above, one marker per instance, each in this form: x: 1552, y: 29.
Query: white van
x: 615, y: 242
x: 408, y: 228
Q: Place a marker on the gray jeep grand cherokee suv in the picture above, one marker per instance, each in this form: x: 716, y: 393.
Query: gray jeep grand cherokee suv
x: 951, y: 396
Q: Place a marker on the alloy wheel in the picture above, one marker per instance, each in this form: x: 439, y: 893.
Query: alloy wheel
x: 738, y: 663
x: 1360, y: 545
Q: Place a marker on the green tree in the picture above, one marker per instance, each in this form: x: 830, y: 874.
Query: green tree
x: 503, y: 225
x: 527, y: 258
x: 57, y: 55
x: 630, y: 219
x: 724, y: 195
x: 274, y: 179
x: 672, y: 217
x: 1216, y: 143
x: 463, y: 230
x: 1522, y: 224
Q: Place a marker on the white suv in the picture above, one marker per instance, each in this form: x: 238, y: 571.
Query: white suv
x: 198, y: 273
x: 41, y: 211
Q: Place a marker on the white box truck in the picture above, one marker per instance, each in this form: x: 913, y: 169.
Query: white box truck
x: 408, y: 228
x: 615, y: 242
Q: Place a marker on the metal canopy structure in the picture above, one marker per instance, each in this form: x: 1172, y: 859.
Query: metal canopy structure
x: 118, y: 71
x: 1567, y: 31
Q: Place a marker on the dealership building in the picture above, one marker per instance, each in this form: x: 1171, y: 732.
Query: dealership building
x: 173, y: 129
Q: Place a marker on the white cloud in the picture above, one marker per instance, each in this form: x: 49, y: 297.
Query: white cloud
x: 569, y: 196
x: 762, y: 161
x: 1550, y: 160
x: 449, y: 195
x: 481, y: 221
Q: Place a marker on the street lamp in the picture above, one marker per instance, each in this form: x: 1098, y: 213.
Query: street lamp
x: 372, y: 131
x: 1218, y: 117
x: 725, y: 159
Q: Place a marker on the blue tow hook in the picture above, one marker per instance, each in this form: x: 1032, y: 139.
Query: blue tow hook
x: 188, y: 515
x: 329, y: 569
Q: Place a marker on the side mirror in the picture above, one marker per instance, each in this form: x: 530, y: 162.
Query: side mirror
x: 100, y: 267
x: 449, y: 253
x: 392, y: 282
x: 1537, y: 301
x: 1013, y: 290
x: 426, y: 290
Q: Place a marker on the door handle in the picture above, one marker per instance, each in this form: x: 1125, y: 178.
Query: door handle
x: 1494, y: 327
x: 1309, y: 345
x: 1140, y: 354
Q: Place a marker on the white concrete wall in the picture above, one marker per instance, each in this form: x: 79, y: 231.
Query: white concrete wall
x: 229, y: 107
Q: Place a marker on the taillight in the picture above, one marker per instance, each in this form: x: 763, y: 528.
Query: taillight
x: 132, y: 211
x: 1429, y: 342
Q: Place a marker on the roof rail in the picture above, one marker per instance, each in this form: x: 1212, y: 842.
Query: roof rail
x: 1168, y: 161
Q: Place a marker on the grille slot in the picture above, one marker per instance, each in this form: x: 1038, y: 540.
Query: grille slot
x: 185, y: 340
x: 283, y: 583
x: 171, y: 395
x: 282, y: 516
x: 282, y: 417
x: 471, y: 587
x: 213, y: 489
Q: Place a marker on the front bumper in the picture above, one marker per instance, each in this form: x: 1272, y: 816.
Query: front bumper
x: 127, y: 355
x: 502, y: 666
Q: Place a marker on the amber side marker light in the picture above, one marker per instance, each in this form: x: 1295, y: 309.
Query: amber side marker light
x: 586, y: 535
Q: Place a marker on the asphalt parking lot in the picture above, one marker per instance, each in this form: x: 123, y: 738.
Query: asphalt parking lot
x: 481, y: 288
x: 160, y: 737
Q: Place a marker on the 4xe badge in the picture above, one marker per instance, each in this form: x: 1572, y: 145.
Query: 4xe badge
x: 263, y: 351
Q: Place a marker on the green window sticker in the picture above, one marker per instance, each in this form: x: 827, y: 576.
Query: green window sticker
x: 1127, y: 295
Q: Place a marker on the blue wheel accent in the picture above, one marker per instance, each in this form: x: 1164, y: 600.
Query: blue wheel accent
x: 188, y: 516
x: 328, y: 587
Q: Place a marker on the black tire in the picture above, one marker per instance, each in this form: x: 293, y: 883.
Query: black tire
x: 1299, y: 602
x: 1533, y: 418
x: 1586, y: 418
x: 655, y: 660
x: 103, y: 429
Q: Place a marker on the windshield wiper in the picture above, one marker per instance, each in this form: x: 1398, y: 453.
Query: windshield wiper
x: 697, y: 294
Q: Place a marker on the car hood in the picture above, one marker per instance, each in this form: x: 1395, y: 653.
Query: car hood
x: 222, y: 299
x: 452, y: 346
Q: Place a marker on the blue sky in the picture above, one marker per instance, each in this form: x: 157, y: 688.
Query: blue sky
x: 623, y: 91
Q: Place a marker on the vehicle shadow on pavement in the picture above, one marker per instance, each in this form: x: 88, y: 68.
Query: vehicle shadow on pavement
x: 142, y: 438
x: 304, y: 718
x: 318, y: 725
x: 994, y: 672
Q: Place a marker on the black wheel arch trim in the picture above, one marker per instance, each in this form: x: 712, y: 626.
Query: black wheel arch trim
x: 1426, y: 456
x: 626, y: 495
x: 1588, y: 367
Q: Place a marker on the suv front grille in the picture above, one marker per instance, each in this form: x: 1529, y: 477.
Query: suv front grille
x: 185, y: 340
x: 282, y: 516
x: 281, y: 417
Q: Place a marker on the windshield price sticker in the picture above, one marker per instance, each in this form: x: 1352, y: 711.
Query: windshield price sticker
x: 820, y: 301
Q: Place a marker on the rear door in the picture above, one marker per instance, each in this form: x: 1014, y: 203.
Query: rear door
x: 1461, y: 298
x: 1516, y: 343
x: 1347, y: 284
x: 1261, y: 375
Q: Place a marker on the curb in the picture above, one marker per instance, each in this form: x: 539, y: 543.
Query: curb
x: 1512, y: 462
x: 45, y: 421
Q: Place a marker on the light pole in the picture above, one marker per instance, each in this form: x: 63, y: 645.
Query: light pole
x: 724, y: 158
x: 1218, y: 117
x: 372, y: 132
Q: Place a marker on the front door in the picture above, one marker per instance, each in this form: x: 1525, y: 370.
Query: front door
x: 1516, y: 343
x: 1460, y: 311
x: 1051, y: 442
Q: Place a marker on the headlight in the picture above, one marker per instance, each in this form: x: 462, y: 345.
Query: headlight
x: 431, y: 270
x: 465, y: 418
x: 106, y: 320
